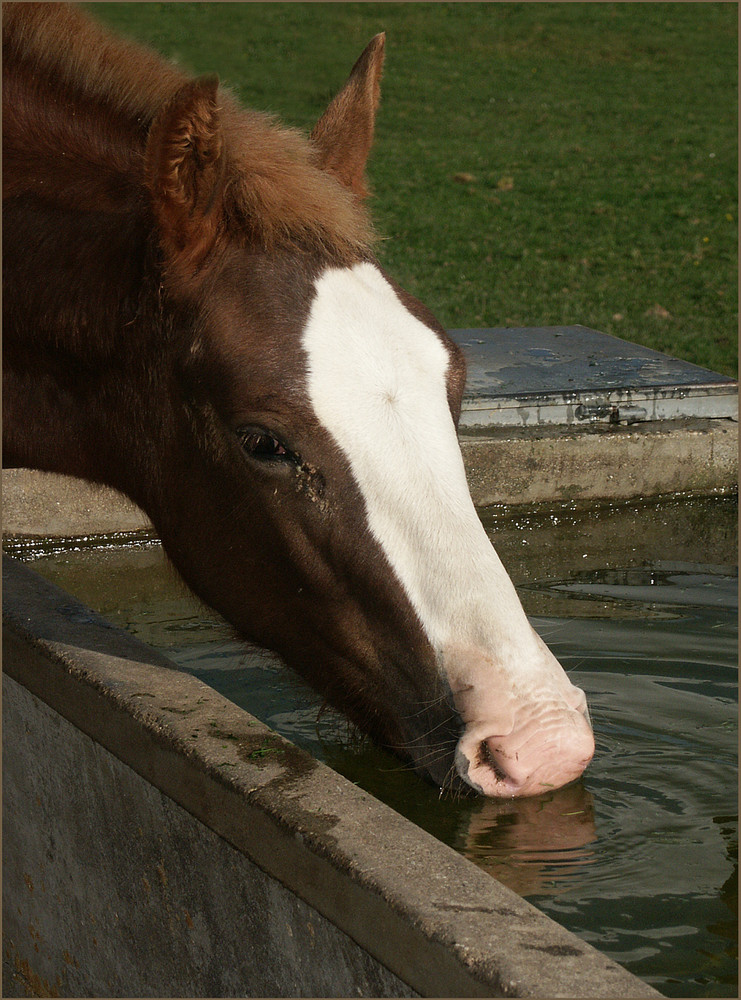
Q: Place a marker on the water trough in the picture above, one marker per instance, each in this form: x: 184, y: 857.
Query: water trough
x: 161, y: 841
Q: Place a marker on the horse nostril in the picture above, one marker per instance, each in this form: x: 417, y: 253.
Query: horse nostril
x: 487, y: 759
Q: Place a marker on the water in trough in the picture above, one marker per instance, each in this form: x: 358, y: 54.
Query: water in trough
x: 639, y: 601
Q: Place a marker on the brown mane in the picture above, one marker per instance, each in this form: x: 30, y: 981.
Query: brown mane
x: 274, y: 188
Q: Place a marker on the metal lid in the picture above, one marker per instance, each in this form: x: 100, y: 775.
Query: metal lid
x: 526, y: 376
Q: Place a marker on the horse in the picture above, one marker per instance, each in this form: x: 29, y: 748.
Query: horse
x: 194, y: 314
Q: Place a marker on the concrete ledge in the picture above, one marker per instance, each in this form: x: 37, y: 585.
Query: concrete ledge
x: 509, y: 466
x: 108, y: 737
x: 47, y: 505
x: 602, y: 462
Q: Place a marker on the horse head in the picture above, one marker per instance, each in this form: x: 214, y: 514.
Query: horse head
x: 341, y: 532
x: 286, y: 415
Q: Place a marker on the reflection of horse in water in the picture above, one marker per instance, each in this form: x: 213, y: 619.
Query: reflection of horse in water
x: 534, y: 846
x: 193, y: 314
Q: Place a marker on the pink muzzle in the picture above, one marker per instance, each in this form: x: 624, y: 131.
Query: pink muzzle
x: 548, y: 746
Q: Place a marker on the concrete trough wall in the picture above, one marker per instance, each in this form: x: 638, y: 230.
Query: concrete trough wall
x: 513, y: 465
x: 160, y: 841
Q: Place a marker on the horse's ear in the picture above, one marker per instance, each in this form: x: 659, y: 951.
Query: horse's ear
x: 183, y: 170
x: 344, y: 133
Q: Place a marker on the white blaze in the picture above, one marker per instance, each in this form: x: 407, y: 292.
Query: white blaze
x: 377, y: 382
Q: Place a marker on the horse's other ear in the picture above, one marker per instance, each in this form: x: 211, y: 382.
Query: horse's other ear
x: 344, y: 133
x: 183, y: 170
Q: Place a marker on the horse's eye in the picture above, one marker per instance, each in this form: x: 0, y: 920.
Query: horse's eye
x: 260, y: 444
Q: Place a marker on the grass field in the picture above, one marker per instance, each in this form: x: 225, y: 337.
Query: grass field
x: 536, y: 163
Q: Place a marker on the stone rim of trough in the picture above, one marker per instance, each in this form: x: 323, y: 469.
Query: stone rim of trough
x: 441, y: 924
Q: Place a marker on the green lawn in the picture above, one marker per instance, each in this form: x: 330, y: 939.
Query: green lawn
x: 536, y: 163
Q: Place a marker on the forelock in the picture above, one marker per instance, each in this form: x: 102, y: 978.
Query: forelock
x: 276, y: 193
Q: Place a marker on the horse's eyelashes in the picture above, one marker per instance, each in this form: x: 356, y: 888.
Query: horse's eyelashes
x: 261, y: 444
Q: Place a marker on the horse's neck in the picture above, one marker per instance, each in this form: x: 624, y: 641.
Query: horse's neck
x: 74, y: 316
x: 77, y: 105
x: 77, y: 301
x: 80, y: 59
x: 77, y: 153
